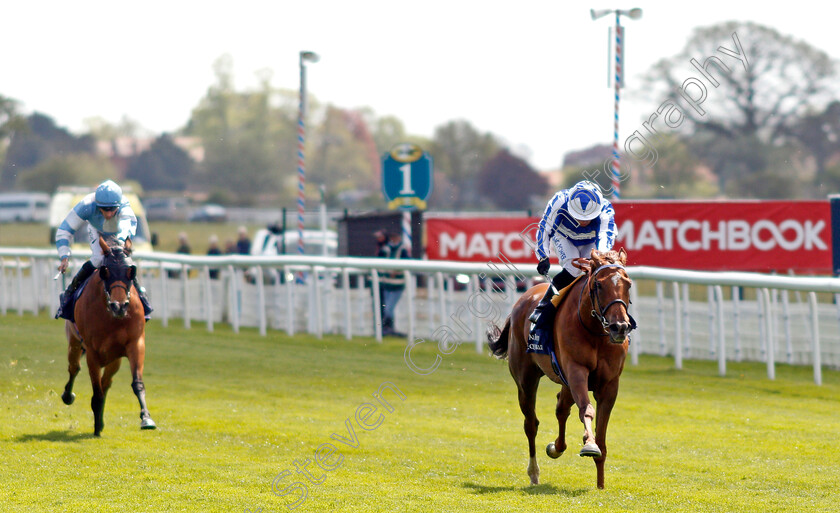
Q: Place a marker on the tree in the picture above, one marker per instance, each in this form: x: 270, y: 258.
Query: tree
x: 104, y: 130
x: 164, y: 166
x: 820, y: 134
x: 779, y: 178
x: 10, y: 119
x: 509, y: 182
x: 249, y: 138
x: 38, y: 142
x: 676, y: 173
x: 459, y: 152
x: 344, y: 156
x: 73, y: 169
x: 769, y: 81
x: 755, y: 85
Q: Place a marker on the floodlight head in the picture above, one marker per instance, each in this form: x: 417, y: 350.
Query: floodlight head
x: 634, y: 13
x: 309, y: 56
x: 600, y: 13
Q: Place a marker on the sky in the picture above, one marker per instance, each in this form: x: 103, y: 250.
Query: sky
x: 532, y: 72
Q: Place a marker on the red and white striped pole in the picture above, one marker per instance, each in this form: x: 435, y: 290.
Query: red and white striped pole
x: 635, y: 14
x: 301, y: 133
x: 615, y: 166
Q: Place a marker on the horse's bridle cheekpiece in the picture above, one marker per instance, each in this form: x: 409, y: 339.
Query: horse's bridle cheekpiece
x: 108, y: 288
x: 598, y: 312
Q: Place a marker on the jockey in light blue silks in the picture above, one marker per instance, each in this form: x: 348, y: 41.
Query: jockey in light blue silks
x: 107, y: 214
x: 577, y: 220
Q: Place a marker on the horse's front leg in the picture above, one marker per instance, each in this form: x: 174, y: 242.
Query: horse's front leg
x: 136, y: 354
x: 606, y: 401
x: 579, y: 385
x: 108, y: 375
x: 74, y: 356
x: 564, y: 406
x: 97, y: 401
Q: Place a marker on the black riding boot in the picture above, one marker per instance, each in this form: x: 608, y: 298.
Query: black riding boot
x: 66, y: 298
x: 561, y: 281
x: 147, y: 307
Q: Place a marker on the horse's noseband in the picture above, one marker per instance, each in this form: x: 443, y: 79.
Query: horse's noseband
x: 108, y: 289
x: 597, y: 311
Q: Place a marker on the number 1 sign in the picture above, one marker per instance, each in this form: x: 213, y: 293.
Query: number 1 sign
x: 406, y: 177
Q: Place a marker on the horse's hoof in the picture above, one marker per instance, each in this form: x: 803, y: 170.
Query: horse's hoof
x: 68, y: 398
x: 591, y: 449
x: 552, y: 451
x: 147, y: 423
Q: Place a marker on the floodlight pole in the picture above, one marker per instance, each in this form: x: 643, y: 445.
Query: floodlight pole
x: 636, y: 13
x: 304, y: 57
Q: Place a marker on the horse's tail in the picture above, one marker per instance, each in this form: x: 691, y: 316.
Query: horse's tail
x: 498, y: 339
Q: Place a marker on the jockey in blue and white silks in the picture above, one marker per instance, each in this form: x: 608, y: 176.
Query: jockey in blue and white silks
x: 576, y: 220
x: 106, y: 213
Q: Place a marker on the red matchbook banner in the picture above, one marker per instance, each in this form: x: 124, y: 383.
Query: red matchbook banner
x: 697, y: 235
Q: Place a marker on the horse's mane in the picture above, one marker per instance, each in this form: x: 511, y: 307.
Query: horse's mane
x: 119, y: 252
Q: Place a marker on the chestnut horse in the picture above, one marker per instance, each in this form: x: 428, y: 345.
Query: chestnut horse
x: 590, y: 340
x: 109, y: 325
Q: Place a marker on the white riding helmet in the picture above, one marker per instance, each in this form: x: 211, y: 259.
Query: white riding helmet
x: 585, y: 200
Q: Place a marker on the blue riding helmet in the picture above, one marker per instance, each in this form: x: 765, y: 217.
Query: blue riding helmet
x: 585, y: 201
x: 108, y: 194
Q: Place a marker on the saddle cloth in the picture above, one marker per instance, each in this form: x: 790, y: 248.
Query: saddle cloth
x: 69, y: 312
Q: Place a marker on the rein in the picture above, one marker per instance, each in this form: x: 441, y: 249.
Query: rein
x: 598, y: 312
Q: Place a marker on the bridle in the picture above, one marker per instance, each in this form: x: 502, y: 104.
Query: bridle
x: 108, y: 290
x: 594, y: 297
x: 112, y: 286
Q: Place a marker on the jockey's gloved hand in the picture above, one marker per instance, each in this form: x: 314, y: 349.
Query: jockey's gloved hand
x: 543, y: 266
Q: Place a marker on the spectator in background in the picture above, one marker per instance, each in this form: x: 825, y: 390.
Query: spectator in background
x: 183, y: 244
x: 392, y: 283
x: 213, y: 249
x: 243, y: 243
x: 381, y: 237
x: 184, y: 249
x: 230, y: 247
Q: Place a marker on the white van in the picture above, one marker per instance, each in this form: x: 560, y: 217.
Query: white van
x: 315, y: 242
x: 66, y: 198
x: 269, y: 243
x: 24, y: 207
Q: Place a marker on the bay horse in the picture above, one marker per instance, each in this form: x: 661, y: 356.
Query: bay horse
x: 590, y: 340
x: 109, y: 326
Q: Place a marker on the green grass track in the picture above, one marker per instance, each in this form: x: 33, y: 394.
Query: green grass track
x: 236, y: 411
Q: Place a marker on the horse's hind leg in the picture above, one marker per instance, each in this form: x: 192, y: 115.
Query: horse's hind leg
x: 527, y: 403
x: 74, y: 356
x: 136, y: 354
x: 564, y: 406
